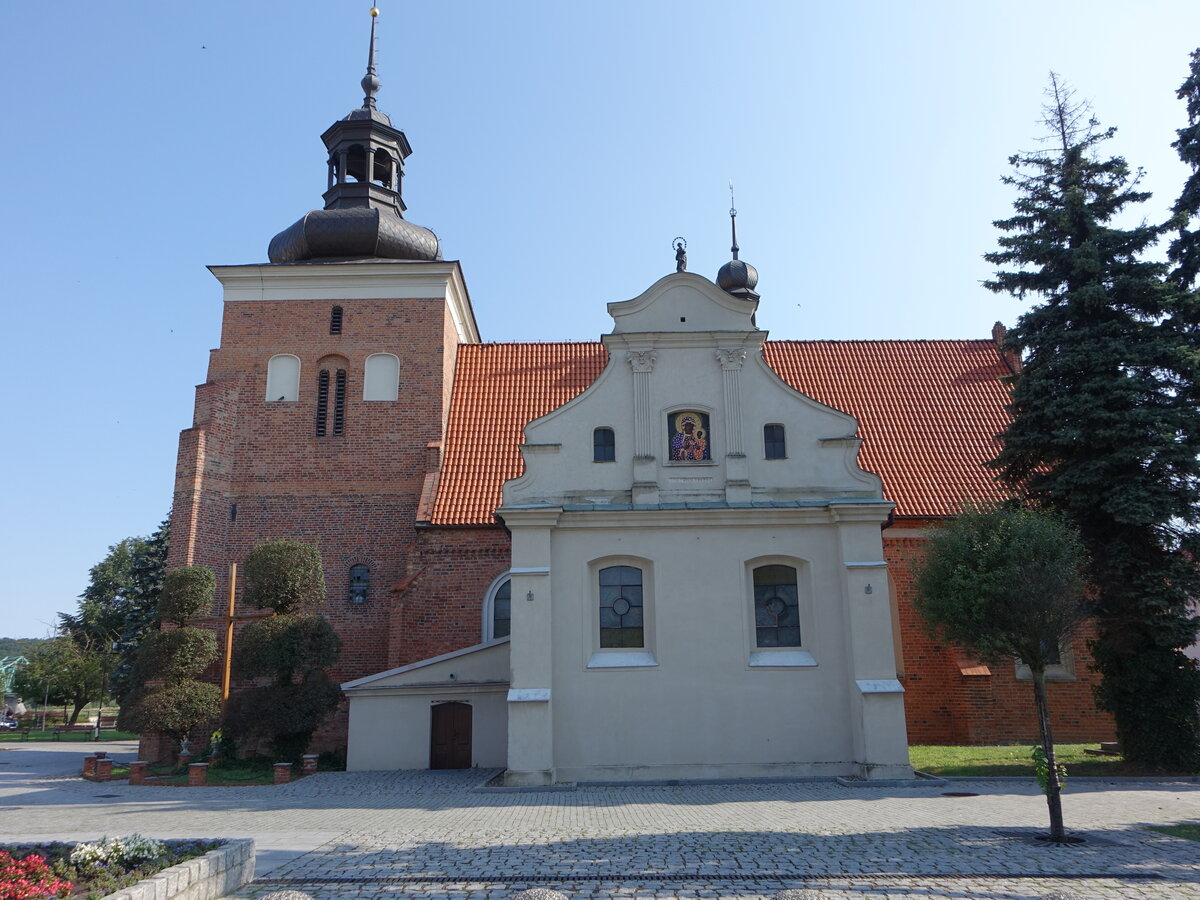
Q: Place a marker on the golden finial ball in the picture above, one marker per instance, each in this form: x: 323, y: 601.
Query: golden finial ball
x: 374, y: 10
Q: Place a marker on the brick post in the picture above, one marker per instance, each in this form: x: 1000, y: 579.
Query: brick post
x: 185, y: 760
x: 283, y: 773
x: 197, y: 774
x: 89, y: 766
x: 104, y: 769
x: 310, y: 764
x: 137, y: 772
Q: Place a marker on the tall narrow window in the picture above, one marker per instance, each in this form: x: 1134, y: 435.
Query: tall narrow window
x: 322, y: 401
x: 502, y: 610
x: 360, y: 583
x: 335, y: 320
x: 776, y: 607
x: 621, y: 621
x: 283, y: 378
x: 381, y: 377
x: 604, y: 445
x: 774, y: 444
x: 339, y: 402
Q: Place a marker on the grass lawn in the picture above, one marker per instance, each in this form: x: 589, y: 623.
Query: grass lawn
x: 1013, y: 759
x: 234, y: 771
x: 15, y: 736
x: 1191, y: 832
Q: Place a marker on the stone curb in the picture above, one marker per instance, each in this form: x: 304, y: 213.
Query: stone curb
x: 217, y: 873
x: 1085, y: 779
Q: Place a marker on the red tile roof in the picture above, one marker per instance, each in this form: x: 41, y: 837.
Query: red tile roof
x: 928, y: 411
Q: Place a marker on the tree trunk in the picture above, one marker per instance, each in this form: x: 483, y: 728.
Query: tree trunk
x: 79, y: 706
x: 1053, y: 788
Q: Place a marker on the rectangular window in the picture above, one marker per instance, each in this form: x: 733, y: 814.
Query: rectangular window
x: 774, y: 446
x: 621, y: 620
x: 776, y: 607
x: 604, y: 445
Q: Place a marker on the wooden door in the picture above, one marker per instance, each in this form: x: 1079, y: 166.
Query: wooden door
x: 450, y: 736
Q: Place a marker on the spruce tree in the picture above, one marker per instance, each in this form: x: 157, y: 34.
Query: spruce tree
x: 1105, y: 425
x: 1184, y: 252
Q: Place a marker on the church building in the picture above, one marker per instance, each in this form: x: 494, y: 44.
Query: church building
x: 680, y: 551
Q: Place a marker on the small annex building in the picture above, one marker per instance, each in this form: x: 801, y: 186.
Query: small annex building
x: 663, y: 554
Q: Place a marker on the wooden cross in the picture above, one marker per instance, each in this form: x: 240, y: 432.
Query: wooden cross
x: 229, y: 619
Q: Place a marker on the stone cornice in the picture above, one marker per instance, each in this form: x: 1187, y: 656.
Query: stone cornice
x: 352, y: 280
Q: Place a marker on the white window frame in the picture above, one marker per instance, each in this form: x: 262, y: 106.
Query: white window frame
x: 619, y: 657
x: 782, y: 657
x: 282, y: 383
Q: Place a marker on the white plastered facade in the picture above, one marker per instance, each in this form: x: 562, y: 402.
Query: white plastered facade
x: 699, y: 698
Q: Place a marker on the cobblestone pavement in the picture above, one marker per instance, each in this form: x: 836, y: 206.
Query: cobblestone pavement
x: 440, y: 836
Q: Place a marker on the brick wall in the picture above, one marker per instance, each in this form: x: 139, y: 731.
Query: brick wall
x: 951, y: 698
x: 250, y: 470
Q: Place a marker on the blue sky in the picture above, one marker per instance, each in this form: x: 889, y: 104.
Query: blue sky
x: 558, y: 148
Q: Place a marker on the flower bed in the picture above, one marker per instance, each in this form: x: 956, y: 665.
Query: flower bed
x: 136, y: 867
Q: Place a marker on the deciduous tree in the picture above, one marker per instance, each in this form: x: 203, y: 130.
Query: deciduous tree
x: 1008, y: 583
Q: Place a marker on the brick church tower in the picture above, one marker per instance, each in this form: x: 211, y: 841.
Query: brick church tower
x: 325, y: 404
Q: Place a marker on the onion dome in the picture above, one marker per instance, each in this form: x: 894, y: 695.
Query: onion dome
x: 363, y: 214
x: 737, y: 277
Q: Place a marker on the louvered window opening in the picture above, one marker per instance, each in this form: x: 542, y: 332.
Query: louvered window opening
x: 322, y: 401
x: 335, y: 320
x: 339, y: 403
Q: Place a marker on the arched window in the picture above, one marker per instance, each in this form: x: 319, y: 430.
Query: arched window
x: 497, y: 609
x: 502, y: 610
x: 360, y: 583
x: 356, y: 163
x: 604, y: 445
x: 383, y: 169
x: 283, y: 378
x: 774, y: 443
x: 381, y: 377
x: 335, y: 320
x: 621, y: 619
x: 776, y: 607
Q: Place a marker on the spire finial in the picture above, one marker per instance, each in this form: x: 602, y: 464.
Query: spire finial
x: 733, y: 220
x: 370, y: 82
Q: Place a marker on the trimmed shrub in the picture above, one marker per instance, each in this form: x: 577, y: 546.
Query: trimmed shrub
x: 180, y: 653
x: 287, y: 715
x: 284, y: 576
x: 175, y: 709
x: 185, y: 592
x: 285, y: 646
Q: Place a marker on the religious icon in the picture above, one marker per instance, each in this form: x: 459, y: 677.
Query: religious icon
x: 689, y: 436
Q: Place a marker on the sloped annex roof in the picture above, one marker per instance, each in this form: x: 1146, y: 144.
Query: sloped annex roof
x: 929, y: 413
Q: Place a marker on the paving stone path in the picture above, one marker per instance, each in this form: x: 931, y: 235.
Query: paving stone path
x: 441, y: 836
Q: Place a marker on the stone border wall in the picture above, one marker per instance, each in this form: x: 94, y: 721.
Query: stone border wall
x: 215, y: 874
